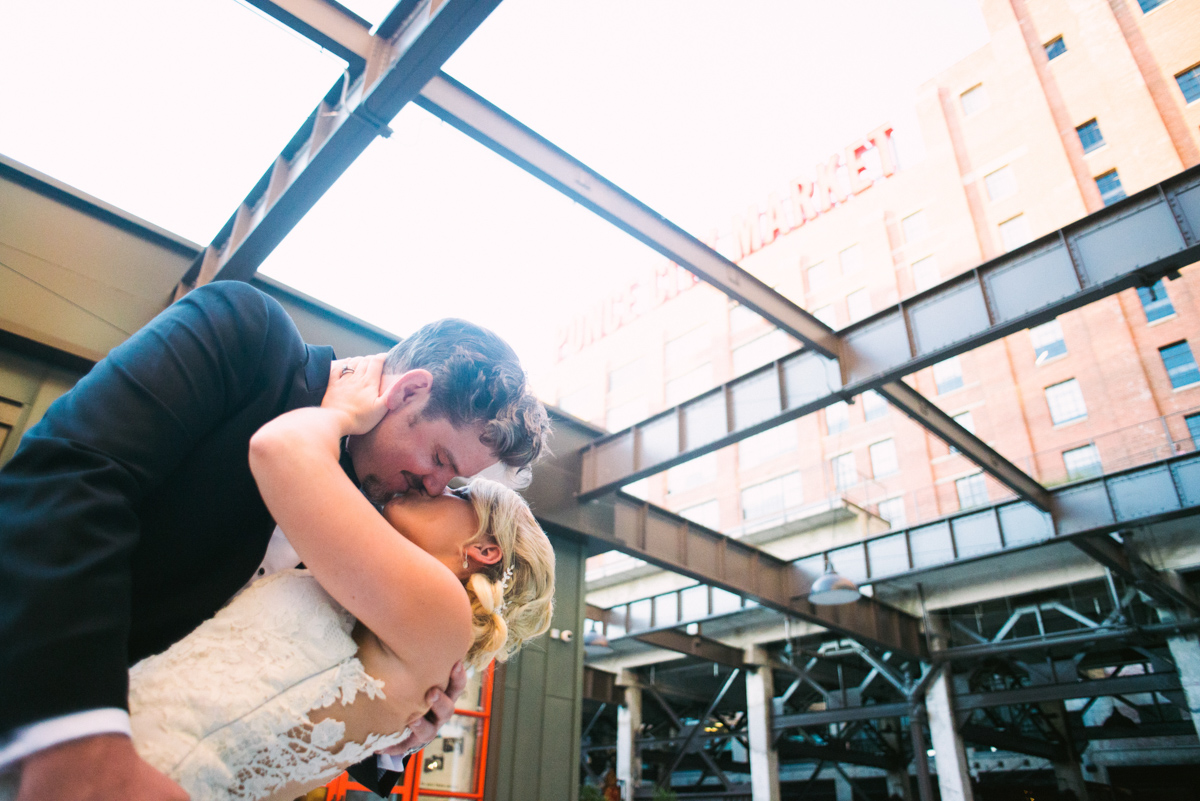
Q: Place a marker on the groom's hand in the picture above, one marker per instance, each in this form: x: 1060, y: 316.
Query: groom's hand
x: 103, y: 767
x: 441, y: 708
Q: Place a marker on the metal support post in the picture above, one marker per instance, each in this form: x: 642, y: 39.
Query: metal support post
x: 949, y: 754
x: 764, y: 759
x: 916, y: 728
x: 1068, y: 772
x: 629, y: 723
x: 898, y: 784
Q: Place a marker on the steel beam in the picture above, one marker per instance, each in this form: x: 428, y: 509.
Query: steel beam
x: 694, y: 645
x: 924, y: 412
x: 329, y: 24
x: 844, y: 715
x: 1155, y: 583
x: 1145, y: 237
x: 1007, y: 741
x: 470, y: 113
x: 457, y: 105
x: 1085, y: 511
x: 1038, y: 693
x: 406, y: 50
x: 674, y: 543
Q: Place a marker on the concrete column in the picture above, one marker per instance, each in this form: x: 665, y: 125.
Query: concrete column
x: 844, y: 791
x: 1185, y: 652
x: 764, y: 759
x: 950, y: 757
x: 629, y: 722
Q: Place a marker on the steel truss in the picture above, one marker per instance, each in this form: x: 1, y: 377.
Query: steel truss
x: 1137, y: 241
x: 1008, y: 694
x: 386, y: 69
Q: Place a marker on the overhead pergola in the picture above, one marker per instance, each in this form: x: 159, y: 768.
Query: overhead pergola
x: 1135, y: 242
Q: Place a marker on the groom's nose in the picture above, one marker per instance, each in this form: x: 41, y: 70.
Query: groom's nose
x: 435, y: 483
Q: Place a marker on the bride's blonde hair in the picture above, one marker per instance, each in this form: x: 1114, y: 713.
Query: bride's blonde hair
x: 512, y: 600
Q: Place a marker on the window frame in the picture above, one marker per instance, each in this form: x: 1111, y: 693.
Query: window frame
x: 1092, y: 125
x: 1051, y: 51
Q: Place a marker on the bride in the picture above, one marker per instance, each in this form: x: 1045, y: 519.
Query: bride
x: 307, y: 672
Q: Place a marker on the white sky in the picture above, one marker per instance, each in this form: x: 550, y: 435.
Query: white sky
x: 172, y: 110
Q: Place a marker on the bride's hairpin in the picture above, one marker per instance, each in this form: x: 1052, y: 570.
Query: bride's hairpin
x: 502, y: 585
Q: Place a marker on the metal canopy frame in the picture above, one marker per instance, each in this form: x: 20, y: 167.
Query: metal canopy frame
x: 1138, y: 240
x: 386, y: 69
x: 1135, y: 242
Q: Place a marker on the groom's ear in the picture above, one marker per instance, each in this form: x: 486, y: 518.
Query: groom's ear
x: 408, y: 388
x: 486, y: 553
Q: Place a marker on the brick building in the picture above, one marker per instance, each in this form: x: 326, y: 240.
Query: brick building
x: 1068, y: 107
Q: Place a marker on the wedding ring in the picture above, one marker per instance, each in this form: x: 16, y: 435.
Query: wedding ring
x: 347, y: 369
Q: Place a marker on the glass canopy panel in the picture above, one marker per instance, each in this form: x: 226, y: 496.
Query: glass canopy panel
x: 169, y: 111
x: 427, y: 224
x: 702, y: 109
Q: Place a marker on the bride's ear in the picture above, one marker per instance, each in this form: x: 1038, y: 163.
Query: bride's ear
x: 486, y: 553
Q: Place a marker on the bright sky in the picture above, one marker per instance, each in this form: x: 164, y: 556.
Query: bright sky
x: 172, y: 110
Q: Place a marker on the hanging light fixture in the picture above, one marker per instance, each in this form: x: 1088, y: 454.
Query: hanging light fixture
x: 833, y: 589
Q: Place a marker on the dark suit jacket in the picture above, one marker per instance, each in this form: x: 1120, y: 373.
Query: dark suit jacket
x: 129, y: 515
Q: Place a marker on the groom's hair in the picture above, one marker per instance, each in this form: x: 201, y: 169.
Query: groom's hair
x: 477, y: 378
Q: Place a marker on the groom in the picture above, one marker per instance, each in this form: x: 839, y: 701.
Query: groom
x: 128, y: 515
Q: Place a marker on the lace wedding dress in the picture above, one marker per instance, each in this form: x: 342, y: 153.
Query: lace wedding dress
x: 228, y: 712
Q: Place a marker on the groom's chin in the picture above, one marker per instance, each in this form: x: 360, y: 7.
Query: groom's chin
x: 375, y: 490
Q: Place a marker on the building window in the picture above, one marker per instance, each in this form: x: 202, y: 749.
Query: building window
x: 1082, y: 462
x: 1181, y: 366
x: 916, y: 226
x: 1001, y: 184
x: 1189, y: 83
x: 743, y: 319
x: 892, y: 510
x: 1150, y: 5
x: 763, y: 350
x: 1090, y: 136
x: 845, y: 471
x: 772, y: 497
x: 827, y: 315
x: 691, y: 474
x: 1110, y: 187
x: 851, y: 260
x: 858, y: 304
x: 837, y: 417
x: 967, y: 421
x: 1047, y: 340
x: 925, y: 273
x: 1014, y: 232
x: 948, y: 375
x: 819, y: 276
x: 627, y: 378
x: 762, y: 448
x: 583, y: 402
x: 707, y: 514
x: 883, y: 458
x: 874, y: 405
x: 972, y: 491
x: 1066, y: 402
x: 681, y: 351
x: 690, y: 384
x: 1193, y: 425
x: 974, y: 100
x: 623, y: 415
x: 1055, y: 48
x: 1155, y: 302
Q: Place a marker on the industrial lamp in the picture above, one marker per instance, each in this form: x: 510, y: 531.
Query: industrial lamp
x: 833, y: 589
